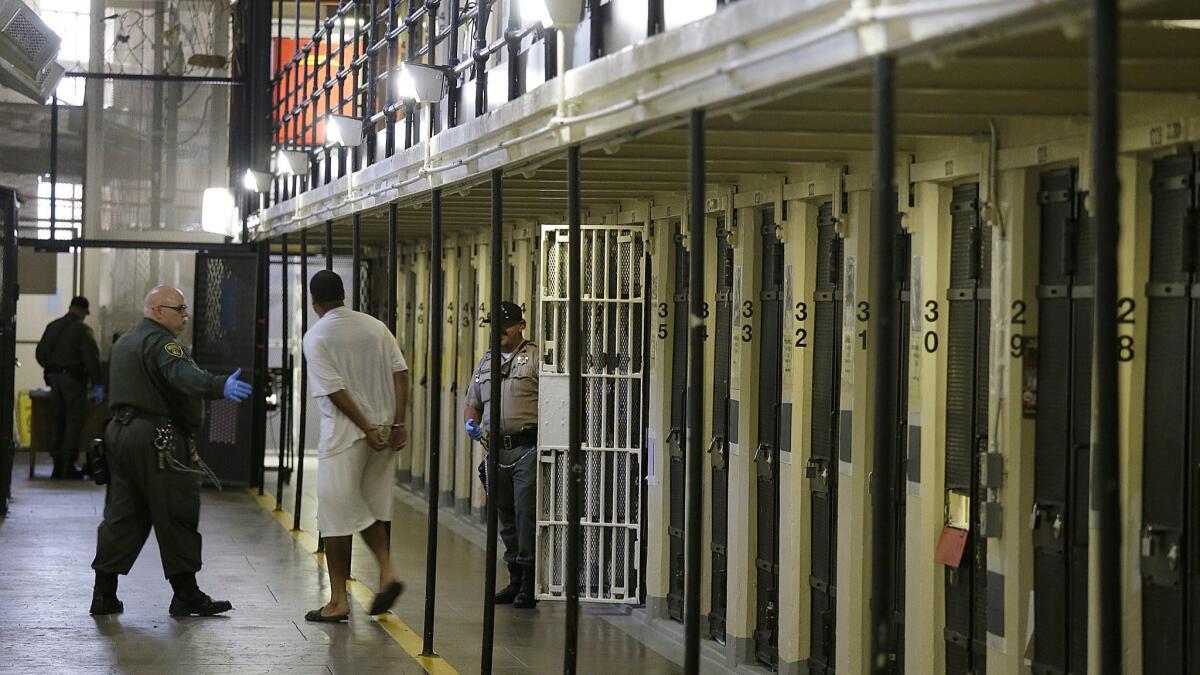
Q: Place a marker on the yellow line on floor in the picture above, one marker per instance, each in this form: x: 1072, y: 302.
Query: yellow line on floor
x: 406, y: 637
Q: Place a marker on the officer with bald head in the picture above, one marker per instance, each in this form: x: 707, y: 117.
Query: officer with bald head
x: 156, y: 396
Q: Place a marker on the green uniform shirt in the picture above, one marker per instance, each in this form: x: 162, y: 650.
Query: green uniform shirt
x: 150, y: 371
x: 518, y: 389
x: 69, y: 345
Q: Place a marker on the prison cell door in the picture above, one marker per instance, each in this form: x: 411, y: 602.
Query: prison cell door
x: 766, y: 455
x: 677, y: 479
x: 721, y: 419
x: 613, y: 322
x: 966, y: 428
x: 223, y: 327
x: 1063, y: 427
x: 904, y: 322
x: 1169, y: 560
x: 820, y: 469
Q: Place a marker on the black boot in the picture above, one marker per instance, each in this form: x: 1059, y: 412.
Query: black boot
x: 506, y: 596
x: 527, y: 597
x: 104, y: 595
x: 189, y: 600
x: 58, y: 469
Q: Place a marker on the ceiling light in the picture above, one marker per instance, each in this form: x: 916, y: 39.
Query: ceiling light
x: 291, y: 163
x: 256, y: 181
x: 421, y: 83
x: 552, y: 13
x: 344, y: 131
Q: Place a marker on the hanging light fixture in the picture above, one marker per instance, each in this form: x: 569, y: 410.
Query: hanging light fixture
x: 421, y: 83
x: 291, y: 163
x: 256, y: 181
x: 553, y: 13
x: 344, y: 131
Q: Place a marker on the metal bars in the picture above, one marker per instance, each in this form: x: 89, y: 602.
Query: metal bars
x: 574, y: 338
x: 496, y: 270
x: 1105, y: 51
x: 284, y: 369
x: 303, y: 381
x: 695, y: 399
x: 9, y: 208
x: 436, y: 319
x: 884, y: 372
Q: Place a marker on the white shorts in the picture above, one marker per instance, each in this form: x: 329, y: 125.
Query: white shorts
x: 354, y: 489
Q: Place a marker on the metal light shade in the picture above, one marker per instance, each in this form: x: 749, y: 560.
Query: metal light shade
x: 256, y: 181
x: 291, y: 163
x: 344, y: 131
x: 553, y: 13
x: 421, y: 83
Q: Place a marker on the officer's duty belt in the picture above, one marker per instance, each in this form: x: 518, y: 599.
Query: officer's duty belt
x: 78, y: 372
x: 526, y: 437
x: 125, y: 414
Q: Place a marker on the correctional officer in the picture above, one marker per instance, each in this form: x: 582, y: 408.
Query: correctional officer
x: 515, y: 445
x: 70, y: 359
x: 157, y: 401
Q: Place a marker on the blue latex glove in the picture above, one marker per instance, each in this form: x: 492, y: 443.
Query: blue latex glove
x: 98, y: 394
x: 236, y: 390
x: 474, y: 430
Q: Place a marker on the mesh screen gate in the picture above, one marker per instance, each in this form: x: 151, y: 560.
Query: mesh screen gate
x: 820, y: 470
x: 1169, y: 561
x: 766, y: 454
x: 223, y: 340
x: 8, y: 339
x: 722, y: 366
x: 966, y: 426
x: 1063, y: 427
x: 613, y: 416
x: 904, y: 323
x: 677, y: 480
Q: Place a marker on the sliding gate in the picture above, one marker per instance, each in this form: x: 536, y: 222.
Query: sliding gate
x: 722, y: 417
x: 966, y: 430
x: 821, y: 470
x: 613, y: 288
x: 677, y: 480
x: 1063, y: 428
x: 1171, y: 473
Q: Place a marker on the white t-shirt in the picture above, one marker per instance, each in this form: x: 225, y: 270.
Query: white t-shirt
x: 356, y: 352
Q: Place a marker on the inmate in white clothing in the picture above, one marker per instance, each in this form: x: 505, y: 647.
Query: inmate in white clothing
x: 356, y: 352
x: 354, y: 489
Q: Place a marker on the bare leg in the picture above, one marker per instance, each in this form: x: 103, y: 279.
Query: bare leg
x: 337, y: 557
x: 377, y: 540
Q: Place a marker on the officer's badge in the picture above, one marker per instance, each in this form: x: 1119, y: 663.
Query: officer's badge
x: 174, y: 349
x: 522, y: 359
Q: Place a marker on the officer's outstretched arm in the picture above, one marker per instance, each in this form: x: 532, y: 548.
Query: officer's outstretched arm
x: 180, y: 372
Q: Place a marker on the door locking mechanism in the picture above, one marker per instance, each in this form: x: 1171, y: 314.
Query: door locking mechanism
x: 1160, y: 549
x: 817, y: 471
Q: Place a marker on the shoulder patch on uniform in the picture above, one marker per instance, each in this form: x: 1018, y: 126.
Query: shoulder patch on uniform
x: 174, y: 349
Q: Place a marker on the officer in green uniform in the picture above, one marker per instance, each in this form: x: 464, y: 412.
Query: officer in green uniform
x: 515, y: 445
x: 157, y: 400
x: 70, y: 358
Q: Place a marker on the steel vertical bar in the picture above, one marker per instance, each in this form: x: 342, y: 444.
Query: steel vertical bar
x: 431, y: 11
x: 452, y: 59
x: 303, y: 381
x: 480, y: 55
x: 329, y: 245
x: 1105, y: 467
x: 693, y: 447
x: 884, y: 376
x: 436, y: 319
x: 258, y: 409
x: 575, y: 408
x: 9, y: 212
x: 283, y: 364
x: 356, y: 262
x: 54, y: 168
x: 391, y: 267
x: 489, y: 586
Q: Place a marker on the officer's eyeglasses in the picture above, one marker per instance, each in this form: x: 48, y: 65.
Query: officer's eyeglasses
x: 182, y: 309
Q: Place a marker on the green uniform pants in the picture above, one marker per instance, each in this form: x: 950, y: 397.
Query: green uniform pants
x: 140, y: 496
x: 68, y: 399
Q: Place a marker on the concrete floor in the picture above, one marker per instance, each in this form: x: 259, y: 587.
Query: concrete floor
x: 48, y: 539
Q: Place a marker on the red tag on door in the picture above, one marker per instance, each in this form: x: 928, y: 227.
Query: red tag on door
x: 950, y: 546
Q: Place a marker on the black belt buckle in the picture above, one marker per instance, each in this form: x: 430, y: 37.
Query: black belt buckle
x: 507, y: 442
